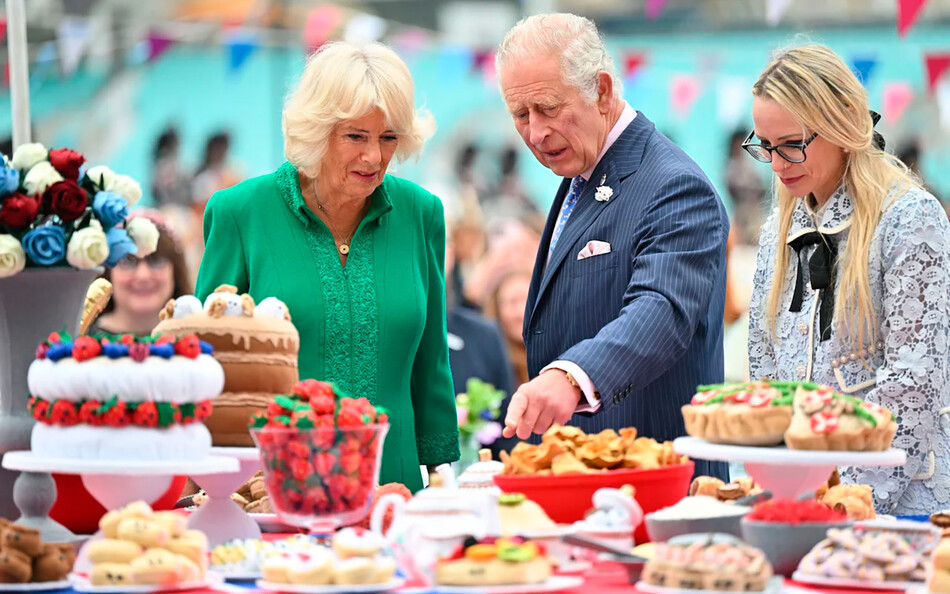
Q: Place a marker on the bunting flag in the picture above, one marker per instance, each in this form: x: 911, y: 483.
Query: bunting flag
x: 3, y: 29
x: 158, y: 44
x: 654, y: 8
x: 684, y: 91
x: 862, y: 68
x: 320, y: 26
x: 775, y: 10
x: 633, y: 62
x: 907, y: 13
x: 937, y: 64
x: 895, y: 100
x: 73, y: 37
x: 483, y: 62
x: 364, y: 28
x: 240, y: 47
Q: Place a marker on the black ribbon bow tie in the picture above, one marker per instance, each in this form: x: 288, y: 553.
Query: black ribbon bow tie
x: 821, y: 270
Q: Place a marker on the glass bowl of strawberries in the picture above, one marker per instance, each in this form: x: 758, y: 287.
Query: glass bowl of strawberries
x: 321, y: 452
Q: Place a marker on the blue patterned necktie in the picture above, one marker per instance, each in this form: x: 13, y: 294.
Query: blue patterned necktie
x: 570, y: 201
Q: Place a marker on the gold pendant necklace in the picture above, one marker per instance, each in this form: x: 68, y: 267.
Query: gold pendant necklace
x: 344, y: 246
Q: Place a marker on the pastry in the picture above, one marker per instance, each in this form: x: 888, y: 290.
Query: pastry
x: 856, y: 501
x: 145, y: 532
x: 54, y: 563
x: 356, y: 542
x: 870, y: 555
x: 113, y: 550
x: 753, y: 414
x: 494, y: 562
x: 826, y: 420
x: 940, y: 578
x: 713, y: 487
x: 22, y: 539
x: 111, y: 574
x: 355, y: 570
x: 940, y: 519
x: 24, y: 557
x: 705, y: 565
x: 519, y: 515
x: 313, y: 570
x: 16, y: 567
x: 256, y: 344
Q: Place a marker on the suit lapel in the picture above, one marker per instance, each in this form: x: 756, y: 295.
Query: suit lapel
x: 621, y: 160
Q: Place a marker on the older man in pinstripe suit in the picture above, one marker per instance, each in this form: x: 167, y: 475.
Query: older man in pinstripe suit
x: 625, y: 313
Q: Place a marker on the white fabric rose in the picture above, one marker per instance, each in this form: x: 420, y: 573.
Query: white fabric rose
x: 88, y: 248
x: 125, y: 186
x: 145, y: 235
x: 12, y: 256
x: 102, y: 174
x: 41, y: 176
x: 28, y: 155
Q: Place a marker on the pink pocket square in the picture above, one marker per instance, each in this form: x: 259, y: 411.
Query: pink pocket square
x: 594, y: 248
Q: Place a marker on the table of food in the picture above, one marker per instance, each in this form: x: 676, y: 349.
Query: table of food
x: 291, y: 500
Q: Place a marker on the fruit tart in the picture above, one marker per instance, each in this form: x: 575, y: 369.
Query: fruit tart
x: 826, y: 420
x: 750, y: 414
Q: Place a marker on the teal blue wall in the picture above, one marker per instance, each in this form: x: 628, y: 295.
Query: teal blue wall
x: 116, y: 120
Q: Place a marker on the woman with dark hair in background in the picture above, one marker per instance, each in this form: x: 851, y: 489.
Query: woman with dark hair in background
x: 170, y: 185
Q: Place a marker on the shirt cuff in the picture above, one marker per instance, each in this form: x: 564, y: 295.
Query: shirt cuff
x: 590, y: 403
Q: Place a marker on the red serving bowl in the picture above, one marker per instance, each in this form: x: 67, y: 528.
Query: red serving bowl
x: 567, y: 497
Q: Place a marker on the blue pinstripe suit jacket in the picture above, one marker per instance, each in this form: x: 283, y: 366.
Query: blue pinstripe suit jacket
x: 645, y: 320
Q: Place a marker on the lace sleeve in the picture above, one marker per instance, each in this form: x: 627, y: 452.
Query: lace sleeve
x: 761, y: 352
x: 913, y: 381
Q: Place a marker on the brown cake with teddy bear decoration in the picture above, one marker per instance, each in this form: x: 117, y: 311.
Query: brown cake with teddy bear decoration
x: 255, y: 343
x: 25, y: 558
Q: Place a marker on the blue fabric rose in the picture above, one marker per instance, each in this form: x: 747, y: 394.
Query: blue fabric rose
x: 120, y: 246
x: 45, y: 245
x: 111, y: 209
x: 9, y: 181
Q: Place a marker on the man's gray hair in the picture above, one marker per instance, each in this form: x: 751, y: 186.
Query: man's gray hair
x: 576, y: 42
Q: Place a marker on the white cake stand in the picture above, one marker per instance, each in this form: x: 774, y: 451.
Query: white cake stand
x: 786, y: 473
x: 220, y: 518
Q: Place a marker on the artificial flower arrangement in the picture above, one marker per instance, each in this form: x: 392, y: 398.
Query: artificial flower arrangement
x: 478, y: 410
x: 52, y: 213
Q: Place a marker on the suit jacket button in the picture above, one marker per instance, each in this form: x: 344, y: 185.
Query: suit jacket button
x: 536, y: 332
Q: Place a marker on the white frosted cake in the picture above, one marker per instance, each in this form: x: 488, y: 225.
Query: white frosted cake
x: 109, y: 397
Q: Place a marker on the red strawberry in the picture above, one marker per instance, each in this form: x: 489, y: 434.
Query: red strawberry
x: 311, y: 387
x: 40, y: 409
x: 324, y: 463
x: 89, y: 413
x: 316, y: 499
x: 382, y: 418
x: 303, y: 419
x: 176, y: 413
x: 203, y: 410
x: 274, y: 409
x: 165, y: 339
x: 146, y: 415
x: 64, y: 413
x: 138, y: 351
x: 85, y: 348
x: 350, y: 462
x: 116, y: 415
x: 322, y: 404
x: 127, y: 339
x: 188, y: 346
x: 349, y: 418
x: 53, y: 338
x: 300, y: 469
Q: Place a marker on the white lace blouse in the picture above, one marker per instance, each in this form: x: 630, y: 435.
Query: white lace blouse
x: 909, y: 267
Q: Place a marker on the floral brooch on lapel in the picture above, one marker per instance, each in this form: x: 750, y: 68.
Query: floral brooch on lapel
x: 604, y: 192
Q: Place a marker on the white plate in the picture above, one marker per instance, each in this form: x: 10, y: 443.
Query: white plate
x: 81, y: 584
x: 304, y: 589
x: 574, y: 567
x: 238, y: 576
x: 28, y: 462
x: 271, y: 524
x: 818, y: 580
x: 700, y: 448
x: 773, y: 585
x: 553, y: 584
x: 36, y: 586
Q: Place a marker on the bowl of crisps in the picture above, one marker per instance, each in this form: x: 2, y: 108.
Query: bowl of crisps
x: 562, y: 473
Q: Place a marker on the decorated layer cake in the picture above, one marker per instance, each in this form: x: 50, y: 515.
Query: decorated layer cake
x: 256, y: 344
x: 108, y: 397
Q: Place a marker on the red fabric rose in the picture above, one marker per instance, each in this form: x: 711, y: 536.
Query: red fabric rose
x: 67, y: 162
x: 66, y: 199
x: 18, y: 211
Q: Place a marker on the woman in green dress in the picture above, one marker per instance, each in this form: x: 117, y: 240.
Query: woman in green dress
x: 357, y: 255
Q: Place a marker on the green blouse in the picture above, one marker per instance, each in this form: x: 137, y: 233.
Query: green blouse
x: 375, y: 327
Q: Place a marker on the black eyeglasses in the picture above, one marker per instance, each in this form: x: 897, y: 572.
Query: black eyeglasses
x: 154, y: 261
x: 793, y: 152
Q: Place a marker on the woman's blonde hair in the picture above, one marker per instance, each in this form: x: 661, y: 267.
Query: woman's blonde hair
x: 344, y: 81
x: 819, y: 89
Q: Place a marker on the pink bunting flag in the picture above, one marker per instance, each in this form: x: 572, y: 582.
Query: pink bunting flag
x: 896, y: 99
x: 158, y: 44
x: 937, y: 64
x: 632, y: 62
x: 654, y: 8
x: 3, y: 29
x: 684, y: 91
x: 320, y: 25
x: 907, y: 13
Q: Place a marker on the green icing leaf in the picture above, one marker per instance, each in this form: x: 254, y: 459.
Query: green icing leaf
x: 166, y: 413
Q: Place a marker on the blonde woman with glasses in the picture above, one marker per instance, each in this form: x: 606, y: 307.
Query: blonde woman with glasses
x: 852, y: 283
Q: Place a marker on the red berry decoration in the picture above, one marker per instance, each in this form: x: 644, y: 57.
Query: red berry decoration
x: 85, y: 348
x: 188, y: 346
x: 53, y: 338
x: 165, y: 339
x: 127, y: 339
x: 40, y: 409
x: 115, y: 414
x: 41, y: 350
x: 89, y: 413
x: 203, y: 410
x: 146, y: 415
x: 64, y: 413
x: 322, y: 404
x: 138, y: 351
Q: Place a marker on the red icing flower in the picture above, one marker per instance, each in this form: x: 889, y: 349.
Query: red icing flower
x: 41, y: 350
x: 19, y: 211
x: 146, y: 415
x: 66, y: 199
x: 824, y: 422
x: 63, y: 413
x: 67, y: 162
x: 188, y: 346
x: 89, y: 413
x: 85, y: 348
x: 138, y: 351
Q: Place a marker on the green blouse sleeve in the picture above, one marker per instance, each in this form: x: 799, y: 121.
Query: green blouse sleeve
x: 433, y: 394
x: 223, y: 262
